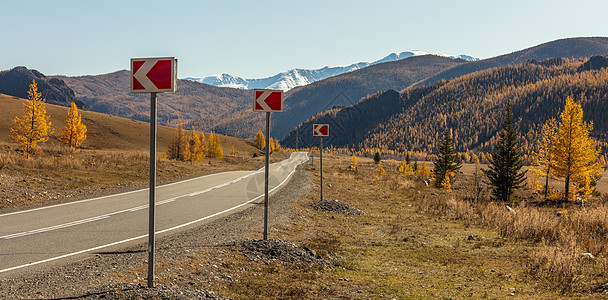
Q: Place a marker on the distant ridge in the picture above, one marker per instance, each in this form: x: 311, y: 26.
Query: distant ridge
x: 566, y: 48
x: 299, y: 77
x: 15, y: 82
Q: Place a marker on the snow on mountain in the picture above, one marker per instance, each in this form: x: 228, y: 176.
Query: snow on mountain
x: 298, y: 77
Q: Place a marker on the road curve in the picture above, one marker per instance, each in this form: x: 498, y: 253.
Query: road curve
x: 46, y: 234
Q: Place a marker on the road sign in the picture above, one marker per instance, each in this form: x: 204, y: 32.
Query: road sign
x: 268, y: 100
x: 320, y: 129
x: 153, y: 75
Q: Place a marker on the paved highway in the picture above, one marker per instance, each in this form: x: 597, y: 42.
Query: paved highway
x: 46, y: 234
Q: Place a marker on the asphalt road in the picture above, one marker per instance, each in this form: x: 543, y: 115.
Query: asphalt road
x: 43, y: 235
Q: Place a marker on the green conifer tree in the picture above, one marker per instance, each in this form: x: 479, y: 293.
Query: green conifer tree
x: 446, y: 164
x: 505, y: 162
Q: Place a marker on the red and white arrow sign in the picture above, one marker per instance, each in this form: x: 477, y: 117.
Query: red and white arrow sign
x: 320, y: 129
x: 268, y: 100
x: 153, y: 75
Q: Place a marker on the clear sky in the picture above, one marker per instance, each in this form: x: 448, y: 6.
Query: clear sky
x: 254, y: 39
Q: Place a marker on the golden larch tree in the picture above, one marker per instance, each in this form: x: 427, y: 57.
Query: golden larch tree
x: 543, y: 162
x: 259, y: 141
x: 353, y: 164
x: 178, y: 147
x: 204, y: 145
x: 381, y: 171
x: 576, y: 155
x: 271, y: 146
x: 404, y: 169
x: 218, y: 152
x: 196, y: 149
x: 233, y: 152
x: 34, y: 127
x: 74, y: 132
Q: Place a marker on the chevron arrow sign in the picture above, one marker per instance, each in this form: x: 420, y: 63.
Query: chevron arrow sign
x: 153, y: 75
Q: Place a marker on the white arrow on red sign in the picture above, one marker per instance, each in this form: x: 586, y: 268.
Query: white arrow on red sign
x: 268, y: 100
x: 153, y: 75
x: 320, y: 129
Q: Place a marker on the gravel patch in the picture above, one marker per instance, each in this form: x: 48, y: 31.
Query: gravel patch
x: 135, y: 291
x: 104, y: 274
x: 273, y: 251
x: 335, y: 206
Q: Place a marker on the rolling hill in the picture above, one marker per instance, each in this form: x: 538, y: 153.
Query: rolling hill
x: 104, y: 132
x: 471, y: 106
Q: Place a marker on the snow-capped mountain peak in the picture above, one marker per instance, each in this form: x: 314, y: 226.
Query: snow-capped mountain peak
x: 298, y: 77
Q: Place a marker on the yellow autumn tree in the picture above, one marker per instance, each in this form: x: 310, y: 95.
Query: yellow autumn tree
x: 543, y: 162
x: 259, y: 141
x: 204, y: 146
x: 178, y: 147
x: 74, y: 132
x: 34, y: 127
x: 271, y: 142
x: 215, y: 148
x: 381, y: 171
x: 423, y: 172
x: 404, y: 169
x: 575, y: 154
x: 196, y: 149
x: 445, y: 184
x: 353, y: 164
x: 233, y: 152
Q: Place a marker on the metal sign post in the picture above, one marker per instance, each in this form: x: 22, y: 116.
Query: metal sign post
x: 153, y: 75
x: 320, y: 130
x: 266, y: 176
x: 267, y: 101
x: 152, y: 194
x: 321, y: 165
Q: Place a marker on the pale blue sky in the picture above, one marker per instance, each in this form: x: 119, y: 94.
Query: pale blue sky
x: 261, y: 38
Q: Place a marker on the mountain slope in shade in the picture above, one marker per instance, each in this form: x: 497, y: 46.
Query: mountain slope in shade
x: 299, y: 77
x: 567, y: 48
x: 346, y: 89
x: 15, y: 82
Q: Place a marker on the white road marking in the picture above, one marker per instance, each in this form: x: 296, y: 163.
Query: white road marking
x: 101, y: 217
x: 145, y: 235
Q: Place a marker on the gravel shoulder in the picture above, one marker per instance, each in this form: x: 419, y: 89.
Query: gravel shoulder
x: 104, y: 274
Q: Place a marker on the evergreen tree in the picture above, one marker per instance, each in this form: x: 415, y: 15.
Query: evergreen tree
x: 34, y: 126
x: 504, y: 171
x: 377, y: 158
x: 446, y: 164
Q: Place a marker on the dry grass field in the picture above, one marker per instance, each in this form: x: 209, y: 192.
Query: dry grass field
x: 414, y: 242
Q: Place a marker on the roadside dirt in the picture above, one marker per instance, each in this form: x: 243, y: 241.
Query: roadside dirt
x: 121, y: 274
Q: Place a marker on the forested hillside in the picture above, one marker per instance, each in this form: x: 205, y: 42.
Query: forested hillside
x: 346, y: 89
x: 471, y: 106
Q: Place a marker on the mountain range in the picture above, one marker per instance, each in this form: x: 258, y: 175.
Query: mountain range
x: 298, y: 77
x: 228, y: 110
x: 471, y: 106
